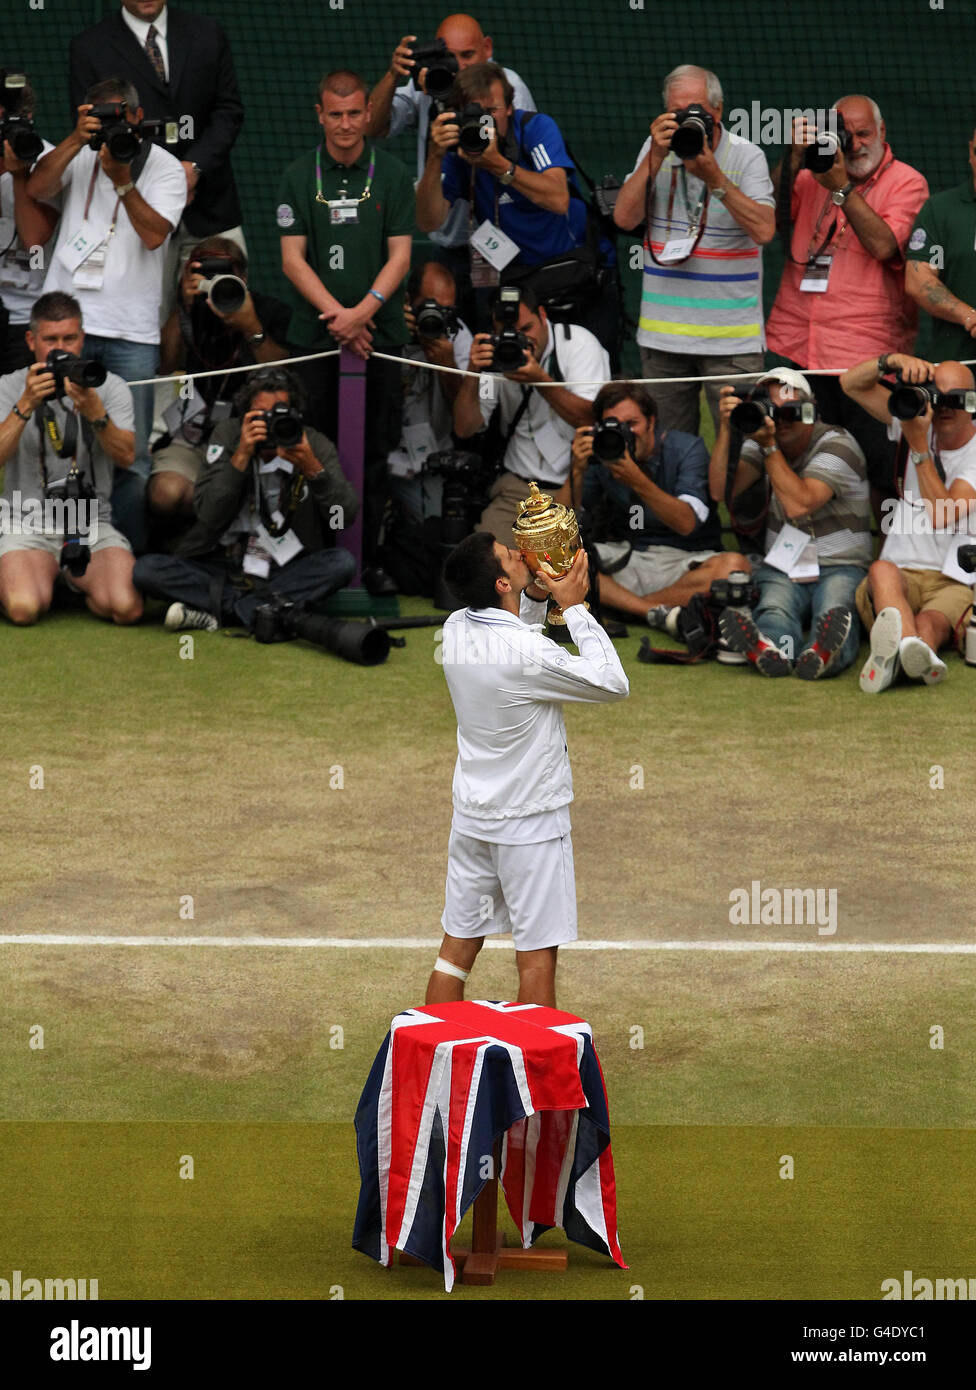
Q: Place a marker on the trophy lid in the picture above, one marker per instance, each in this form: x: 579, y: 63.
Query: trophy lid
x: 538, y: 513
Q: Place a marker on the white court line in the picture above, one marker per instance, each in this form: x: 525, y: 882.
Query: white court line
x: 421, y: 943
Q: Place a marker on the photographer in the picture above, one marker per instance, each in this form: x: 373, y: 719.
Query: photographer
x: 818, y: 529
x: 707, y: 215
x: 536, y: 426
x: 517, y: 177
x: 268, y: 515
x: 947, y: 291
x: 48, y: 430
x: 428, y: 396
x: 395, y: 111
x: 916, y: 587
x: 116, y: 220
x: 25, y: 224
x: 665, y: 543
x: 842, y: 294
x: 199, y: 336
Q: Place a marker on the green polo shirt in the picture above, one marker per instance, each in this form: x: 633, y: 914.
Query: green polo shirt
x: 347, y: 257
x: 948, y: 221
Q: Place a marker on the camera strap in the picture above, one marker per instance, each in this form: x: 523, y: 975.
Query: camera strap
x: 65, y: 446
x: 277, y: 528
x: 698, y: 222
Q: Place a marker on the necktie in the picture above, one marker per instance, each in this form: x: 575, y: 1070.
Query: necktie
x: 154, y: 55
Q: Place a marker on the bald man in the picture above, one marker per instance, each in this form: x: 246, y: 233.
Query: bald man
x: 915, y: 595
x: 393, y: 111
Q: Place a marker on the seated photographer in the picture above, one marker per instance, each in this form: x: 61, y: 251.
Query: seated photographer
x: 665, y: 541
x: 536, y: 425
x: 217, y: 322
x: 25, y: 223
x: 439, y: 337
x: 915, y: 594
x: 511, y: 167
x: 818, y: 529
x: 270, y: 501
x: 123, y: 195
x: 60, y: 443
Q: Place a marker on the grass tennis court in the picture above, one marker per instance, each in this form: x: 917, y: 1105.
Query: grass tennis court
x: 216, y: 779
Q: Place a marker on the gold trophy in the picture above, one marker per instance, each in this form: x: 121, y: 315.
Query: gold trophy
x: 547, y: 534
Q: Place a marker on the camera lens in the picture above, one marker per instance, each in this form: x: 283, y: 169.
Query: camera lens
x: 609, y: 441
x: 26, y: 145
x: 227, y: 293
x: 688, y: 140
x: 908, y: 402
x: 87, y: 374
x: 747, y: 417
x: 122, y: 146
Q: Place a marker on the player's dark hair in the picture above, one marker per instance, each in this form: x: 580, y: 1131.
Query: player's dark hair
x: 471, y: 570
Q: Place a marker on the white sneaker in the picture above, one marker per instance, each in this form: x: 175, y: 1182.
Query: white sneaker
x: 920, y: 662
x: 881, y: 666
x: 179, y: 618
x: 664, y: 618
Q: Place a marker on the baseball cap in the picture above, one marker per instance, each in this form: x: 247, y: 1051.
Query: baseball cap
x: 786, y: 376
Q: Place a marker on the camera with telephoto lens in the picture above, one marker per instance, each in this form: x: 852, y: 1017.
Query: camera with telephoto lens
x: 15, y: 127
x: 510, y: 348
x: 463, y: 494
x: 65, y: 366
x: 122, y: 138
x: 909, y: 402
x: 612, y: 439
x: 442, y: 67
x: 69, y: 492
x: 752, y: 409
x: 435, y: 320
x: 695, y: 130
x: 285, y: 426
x: 280, y: 620
x: 736, y: 590
x: 225, y: 292
x: 819, y: 157
x: 476, y: 126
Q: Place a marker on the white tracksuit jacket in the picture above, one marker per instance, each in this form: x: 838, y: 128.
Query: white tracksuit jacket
x: 508, y: 682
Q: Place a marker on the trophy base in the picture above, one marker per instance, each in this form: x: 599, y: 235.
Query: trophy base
x: 557, y: 618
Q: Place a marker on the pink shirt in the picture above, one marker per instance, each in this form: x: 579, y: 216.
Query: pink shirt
x: 865, y: 310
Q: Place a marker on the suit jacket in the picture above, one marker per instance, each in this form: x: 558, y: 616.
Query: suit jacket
x: 202, y: 84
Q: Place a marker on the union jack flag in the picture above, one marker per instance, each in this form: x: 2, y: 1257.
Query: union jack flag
x: 447, y: 1081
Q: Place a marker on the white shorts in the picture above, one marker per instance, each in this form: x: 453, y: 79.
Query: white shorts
x: 528, y: 890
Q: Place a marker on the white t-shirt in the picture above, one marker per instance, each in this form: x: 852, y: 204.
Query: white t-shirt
x: 541, y: 446
x: 127, y: 304
x: 20, y: 285
x: 911, y: 542
x: 424, y: 404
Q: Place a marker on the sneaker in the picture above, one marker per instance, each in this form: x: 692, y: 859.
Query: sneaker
x: 881, y: 667
x: 832, y: 631
x: 742, y: 635
x: 664, y: 618
x: 919, y: 661
x: 727, y: 656
x: 179, y: 618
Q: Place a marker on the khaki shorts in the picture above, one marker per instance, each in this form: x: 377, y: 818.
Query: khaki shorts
x: 657, y: 567
x: 180, y: 458
x: 928, y: 591
x: 108, y: 537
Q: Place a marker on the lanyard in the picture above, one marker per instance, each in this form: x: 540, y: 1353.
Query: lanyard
x: 88, y: 200
x: 828, y: 203
x: 697, y: 217
x: 297, y: 488
x: 318, y: 178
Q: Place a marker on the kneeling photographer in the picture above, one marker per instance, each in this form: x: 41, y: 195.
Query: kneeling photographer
x: 218, y: 322
x: 65, y: 426
x: 271, y: 501
x: 818, y: 526
x: 535, y: 426
x: 659, y: 542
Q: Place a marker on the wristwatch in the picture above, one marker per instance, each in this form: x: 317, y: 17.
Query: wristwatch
x: 767, y: 449
x: 256, y: 339
x: 919, y: 458
x: 121, y: 189
x: 841, y: 195
x: 508, y: 175
x: 883, y: 364
x: 720, y: 193
x: 100, y: 424
x: 196, y: 168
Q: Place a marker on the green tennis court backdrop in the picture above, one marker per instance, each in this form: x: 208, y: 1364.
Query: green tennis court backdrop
x: 595, y: 67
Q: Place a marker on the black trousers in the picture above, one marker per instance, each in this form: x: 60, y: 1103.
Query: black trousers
x: 384, y: 414
x: 306, y: 578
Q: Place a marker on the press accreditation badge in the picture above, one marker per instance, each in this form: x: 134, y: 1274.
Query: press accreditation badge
x: 90, y: 275
x: 816, y: 275
x: 492, y: 243
x: 80, y: 246
x: 344, y: 211
x: 677, y: 249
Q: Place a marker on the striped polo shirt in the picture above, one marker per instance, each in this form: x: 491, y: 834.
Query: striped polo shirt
x: 710, y: 304
x: 842, y: 526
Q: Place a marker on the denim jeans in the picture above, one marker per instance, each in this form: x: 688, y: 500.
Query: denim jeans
x: 132, y: 362
x: 786, y: 608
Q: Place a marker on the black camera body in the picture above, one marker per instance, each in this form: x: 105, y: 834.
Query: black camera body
x: 612, y: 440
x: 511, y: 348
x: 285, y: 425
x: 435, y: 320
x: 695, y: 130
x: 818, y: 158
x: 280, y: 620
x: 122, y: 138
x: 966, y: 556
x: 753, y: 407
x: 15, y: 127
x: 908, y: 402
x: 475, y: 128
x: 736, y: 590
x: 442, y: 67
x: 75, y: 550
x: 65, y: 366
